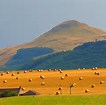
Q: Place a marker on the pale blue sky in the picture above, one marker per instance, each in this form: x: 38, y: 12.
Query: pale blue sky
x: 23, y: 20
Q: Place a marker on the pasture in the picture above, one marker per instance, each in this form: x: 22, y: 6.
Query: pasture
x: 49, y: 82
x: 55, y: 100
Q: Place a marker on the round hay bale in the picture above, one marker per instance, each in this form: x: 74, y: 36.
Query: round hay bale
x: 30, y: 70
x: 61, y: 71
x: 12, y: 74
x: 93, y: 85
x: 38, y: 70
x: 62, y: 78
x: 93, y: 68
x: 86, y: 91
x: 66, y: 75
x: 41, y: 70
x: 30, y: 80
x: 60, y: 88
x: 49, y: 70
x: 101, y: 82
x: 18, y: 72
x: 2, y: 74
x: 74, y: 84
x: 79, y: 69
x: 5, y: 81
x: 80, y: 78
x: 95, y: 73
x: 57, y: 93
x: 42, y: 83
x: 23, y: 88
x: 55, y: 70
x: 7, y: 72
x: 98, y: 73
x: 17, y: 77
x: 42, y: 77
x: 25, y: 71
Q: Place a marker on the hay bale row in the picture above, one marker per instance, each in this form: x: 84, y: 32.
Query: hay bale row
x: 40, y: 70
x: 97, y: 73
x: 94, y: 68
x: 55, y: 70
x: 49, y: 69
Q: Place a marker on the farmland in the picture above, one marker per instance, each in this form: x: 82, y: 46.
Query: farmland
x: 53, y: 80
x: 55, y: 100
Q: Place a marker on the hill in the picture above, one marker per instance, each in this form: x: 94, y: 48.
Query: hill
x: 68, y: 35
x: 24, y: 56
x: 64, y: 36
x: 88, y: 55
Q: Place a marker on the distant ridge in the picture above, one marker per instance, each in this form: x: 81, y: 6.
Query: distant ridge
x: 64, y: 36
x: 88, y: 55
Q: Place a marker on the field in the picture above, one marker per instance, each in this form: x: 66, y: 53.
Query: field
x: 55, y: 100
x: 52, y: 81
x: 86, y: 79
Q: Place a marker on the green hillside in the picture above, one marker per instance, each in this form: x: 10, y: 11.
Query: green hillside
x: 85, y: 56
x: 24, y: 56
x: 55, y: 100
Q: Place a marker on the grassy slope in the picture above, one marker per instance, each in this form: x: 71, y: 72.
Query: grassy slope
x: 68, y: 35
x: 55, y: 100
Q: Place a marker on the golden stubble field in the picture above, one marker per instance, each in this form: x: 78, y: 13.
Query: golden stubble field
x: 52, y: 81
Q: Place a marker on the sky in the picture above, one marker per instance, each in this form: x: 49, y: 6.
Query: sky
x: 22, y: 21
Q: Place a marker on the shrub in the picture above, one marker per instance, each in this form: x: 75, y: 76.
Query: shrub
x: 8, y: 94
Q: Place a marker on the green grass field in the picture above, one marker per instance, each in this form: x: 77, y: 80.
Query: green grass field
x: 55, y: 100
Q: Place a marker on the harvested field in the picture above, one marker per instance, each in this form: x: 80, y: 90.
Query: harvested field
x: 52, y: 81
